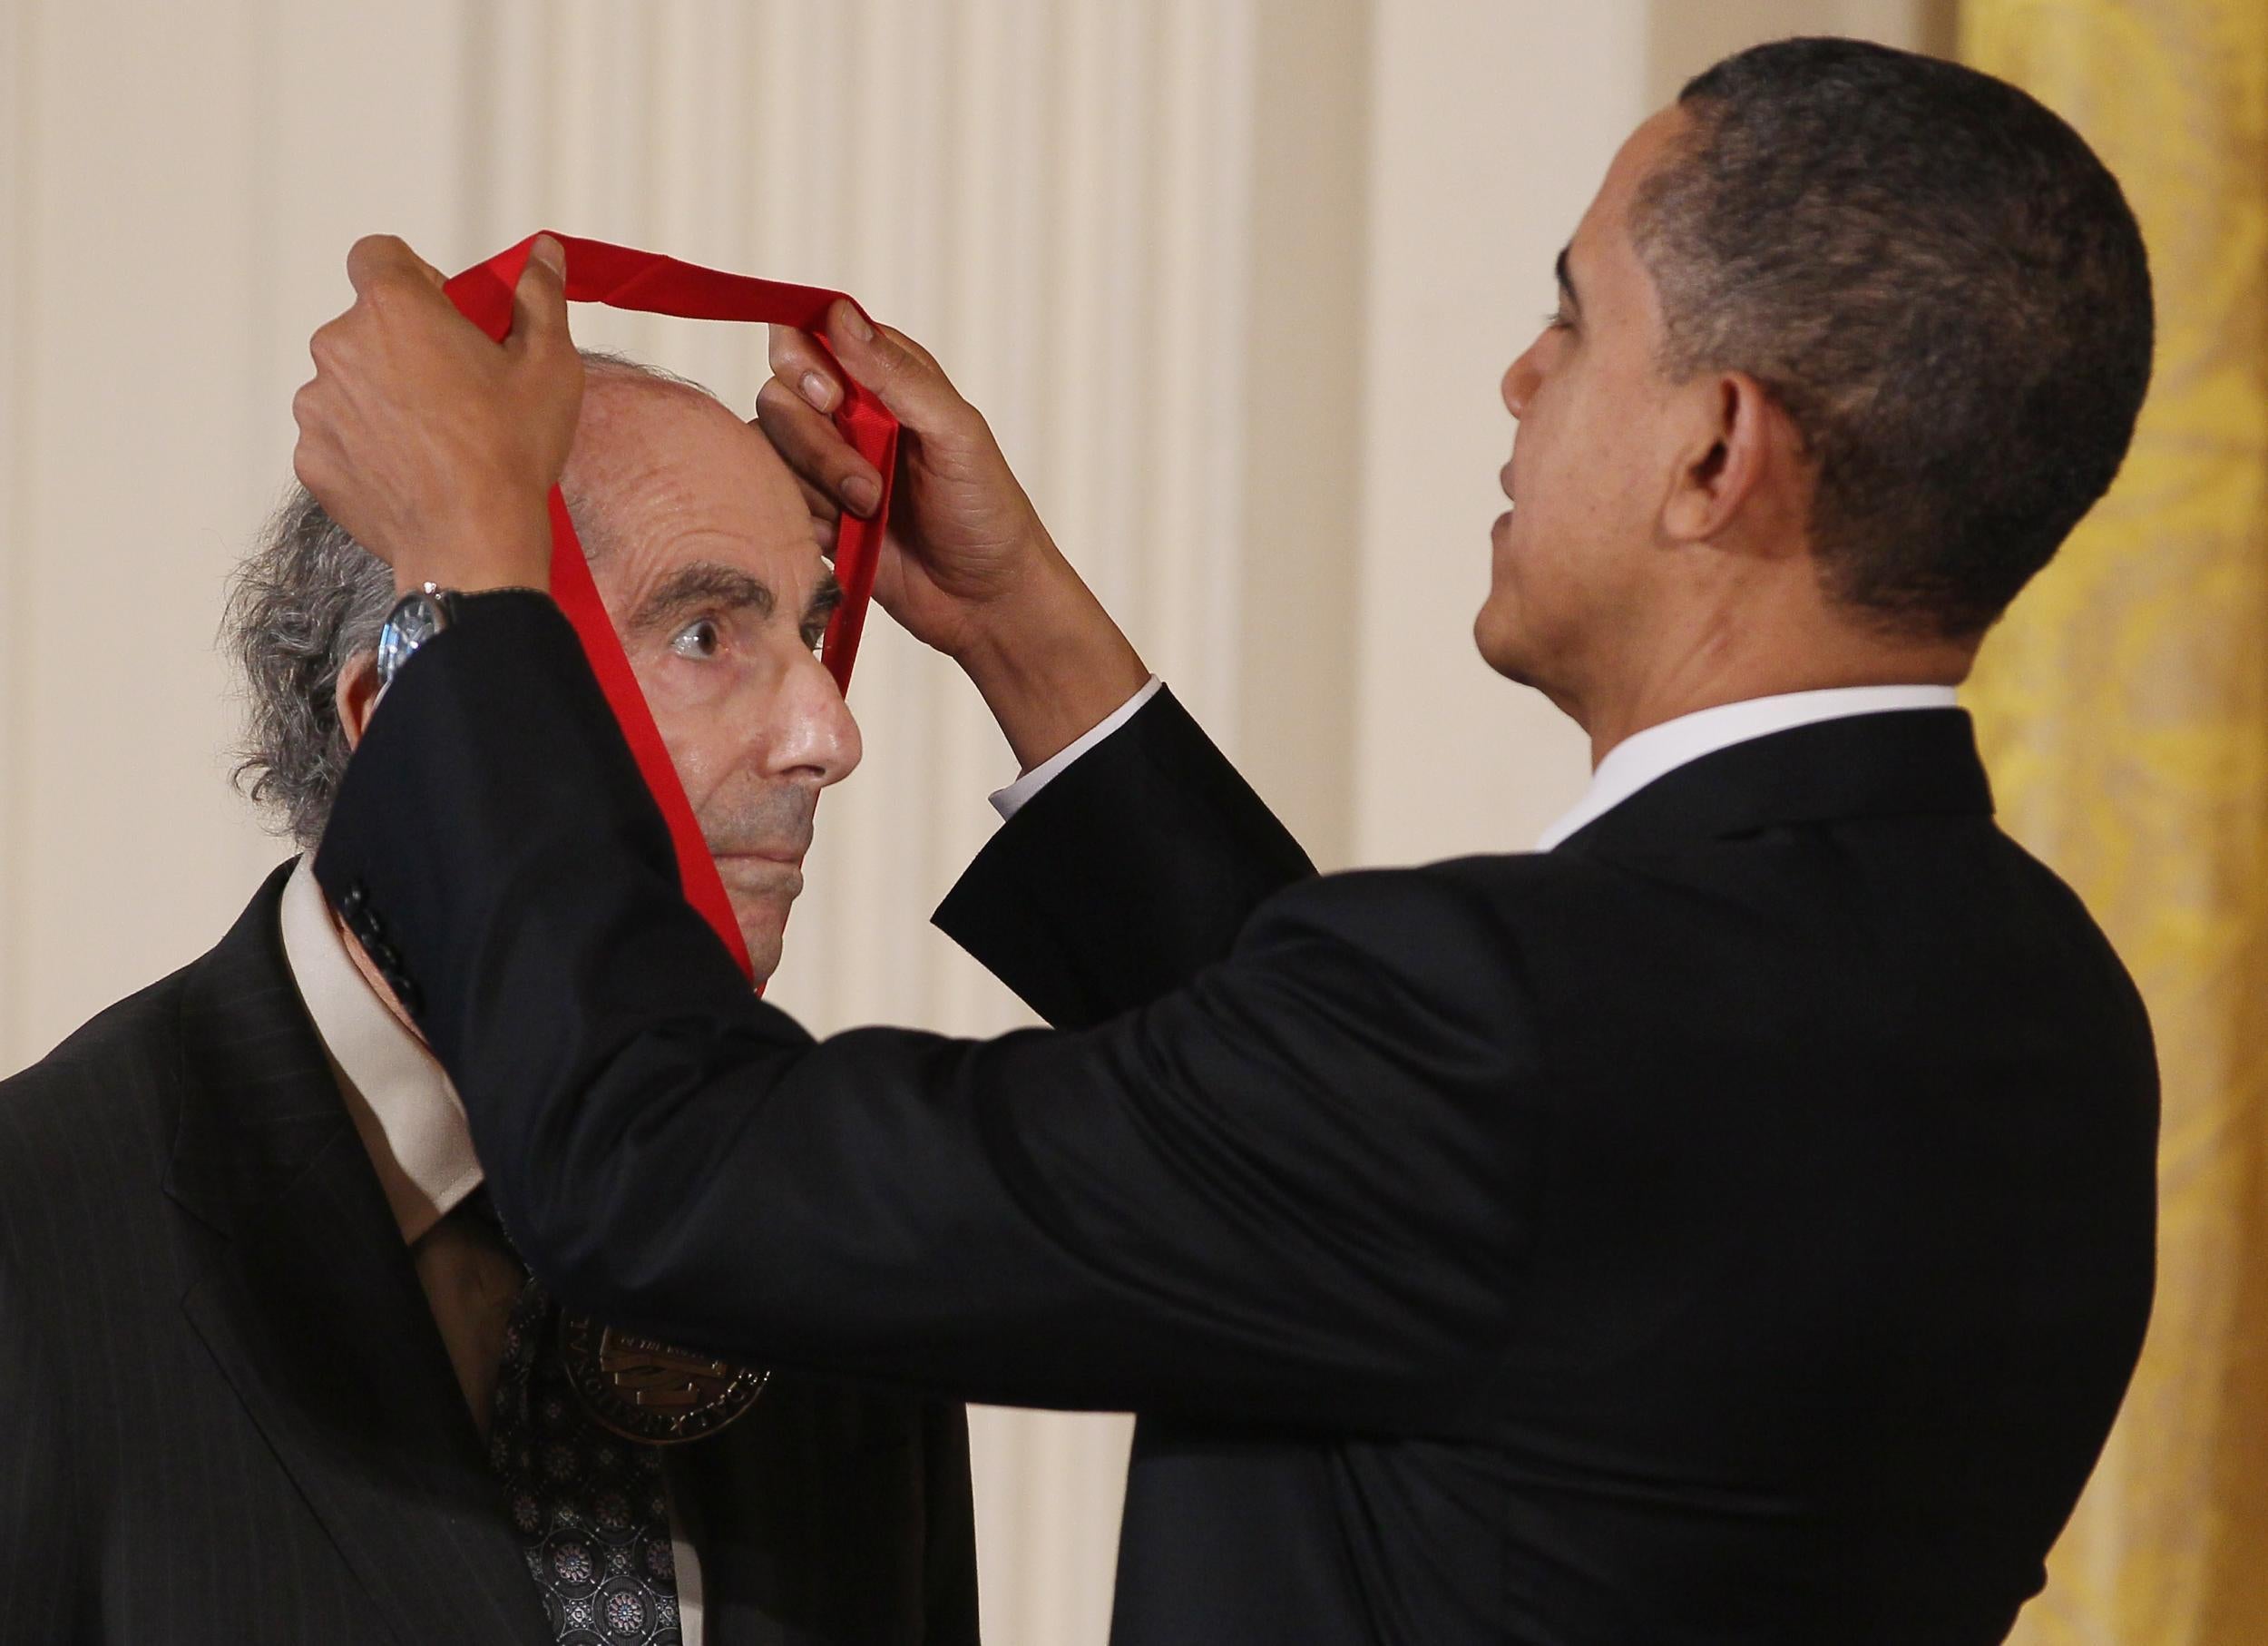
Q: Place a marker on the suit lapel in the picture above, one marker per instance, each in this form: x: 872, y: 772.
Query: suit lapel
x: 310, y: 1306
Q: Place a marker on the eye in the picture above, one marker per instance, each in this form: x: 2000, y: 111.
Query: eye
x: 699, y: 639
x: 1556, y: 320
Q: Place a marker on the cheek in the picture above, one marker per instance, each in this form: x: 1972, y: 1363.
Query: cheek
x: 1587, y: 472
x: 703, y: 721
x: 703, y: 765
x: 1551, y: 453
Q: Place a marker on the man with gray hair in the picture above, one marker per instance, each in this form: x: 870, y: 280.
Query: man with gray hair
x: 275, y: 1371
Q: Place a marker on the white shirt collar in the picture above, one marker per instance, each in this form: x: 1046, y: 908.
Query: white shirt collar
x: 1658, y: 751
x: 407, y: 1113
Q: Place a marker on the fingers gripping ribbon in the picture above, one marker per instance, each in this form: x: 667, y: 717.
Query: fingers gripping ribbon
x: 644, y: 280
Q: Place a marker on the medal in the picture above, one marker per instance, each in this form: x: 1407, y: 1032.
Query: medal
x: 646, y: 1390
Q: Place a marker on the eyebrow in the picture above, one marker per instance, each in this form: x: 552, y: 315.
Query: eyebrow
x: 825, y: 595
x: 705, y: 585
x: 1566, y: 281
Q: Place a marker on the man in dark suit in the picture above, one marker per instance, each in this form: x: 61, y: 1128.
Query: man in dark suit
x: 1732, y: 1223
x: 270, y: 1371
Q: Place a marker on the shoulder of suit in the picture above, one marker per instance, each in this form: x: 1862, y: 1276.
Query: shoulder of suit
x: 1451, y: 889
x: 1445, y: 920
x: 117, y: 1075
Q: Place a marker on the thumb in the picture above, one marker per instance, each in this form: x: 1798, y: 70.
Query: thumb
x: 908, y: 382
x: 539, y: 303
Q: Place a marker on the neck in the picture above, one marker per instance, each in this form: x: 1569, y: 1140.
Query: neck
x: 1710, y: 676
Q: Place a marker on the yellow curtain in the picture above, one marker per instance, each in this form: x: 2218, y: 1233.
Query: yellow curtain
x: 2124, y: 708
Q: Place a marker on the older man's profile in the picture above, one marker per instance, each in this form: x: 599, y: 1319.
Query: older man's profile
x: 275, y: 1371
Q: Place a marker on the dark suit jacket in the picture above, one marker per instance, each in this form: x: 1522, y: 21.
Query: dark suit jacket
x: 1733, y: 1226
x: 226, y: 1415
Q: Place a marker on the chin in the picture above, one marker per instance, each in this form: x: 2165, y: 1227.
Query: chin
x: 765, y: 932
x: 762, y: 963
x: 1497, y: 638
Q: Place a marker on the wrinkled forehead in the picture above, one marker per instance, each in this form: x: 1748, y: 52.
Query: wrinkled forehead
x: 662, y: 472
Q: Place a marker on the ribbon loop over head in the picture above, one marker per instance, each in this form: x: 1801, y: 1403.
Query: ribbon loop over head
x: 646, y: 281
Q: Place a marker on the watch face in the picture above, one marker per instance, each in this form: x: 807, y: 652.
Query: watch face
x: 414, y: 621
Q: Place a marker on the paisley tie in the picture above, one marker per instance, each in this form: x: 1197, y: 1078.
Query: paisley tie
x: 591, y: 1508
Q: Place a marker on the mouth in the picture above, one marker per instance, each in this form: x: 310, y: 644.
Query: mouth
x: 1505, y: 481
x: 762, y: 873
x: 791, y: 856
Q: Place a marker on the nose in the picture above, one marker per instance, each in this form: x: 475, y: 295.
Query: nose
x: 814, y: 736
x: 1520, y: 378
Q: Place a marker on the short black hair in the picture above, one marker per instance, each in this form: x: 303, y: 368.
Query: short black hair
x: 1940, y: 283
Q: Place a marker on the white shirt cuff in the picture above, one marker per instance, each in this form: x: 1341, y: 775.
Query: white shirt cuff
x: 1010, y: 800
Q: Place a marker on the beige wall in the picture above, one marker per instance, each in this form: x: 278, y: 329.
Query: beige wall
x: 1493, y: 125
x: 1235, y: 279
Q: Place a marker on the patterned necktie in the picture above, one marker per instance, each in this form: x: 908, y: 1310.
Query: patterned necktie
x: 590, y: 1508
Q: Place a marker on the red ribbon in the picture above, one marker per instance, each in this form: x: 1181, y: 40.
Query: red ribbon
x: 644, y: 280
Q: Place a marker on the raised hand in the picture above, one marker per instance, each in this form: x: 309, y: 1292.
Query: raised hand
x: 434, y: 447
x: 966, y: 567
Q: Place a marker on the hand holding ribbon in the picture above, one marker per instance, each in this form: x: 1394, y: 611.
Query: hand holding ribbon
x: 432, y: 446
x: 966, y: 566
x: 441, y: 452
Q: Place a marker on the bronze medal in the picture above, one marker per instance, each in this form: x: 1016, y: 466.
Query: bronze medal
x: 646, y: 1390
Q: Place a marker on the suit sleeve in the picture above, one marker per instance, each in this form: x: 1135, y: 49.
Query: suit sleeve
x: 1287, y: 1191
x: 1137, y: 865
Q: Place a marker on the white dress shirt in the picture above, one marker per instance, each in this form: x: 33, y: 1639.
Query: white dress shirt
x: 413, y: 1124
x: 1658, y: 751
x: 1010, y: 800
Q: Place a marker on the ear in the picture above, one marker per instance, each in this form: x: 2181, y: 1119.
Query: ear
x: 1742, y: 462
x: 356, y: 695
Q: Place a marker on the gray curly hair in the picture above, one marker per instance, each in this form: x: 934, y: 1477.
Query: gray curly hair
x: 305, y: 603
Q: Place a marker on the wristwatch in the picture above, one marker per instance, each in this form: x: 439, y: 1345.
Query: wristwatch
x: 415, y: 618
